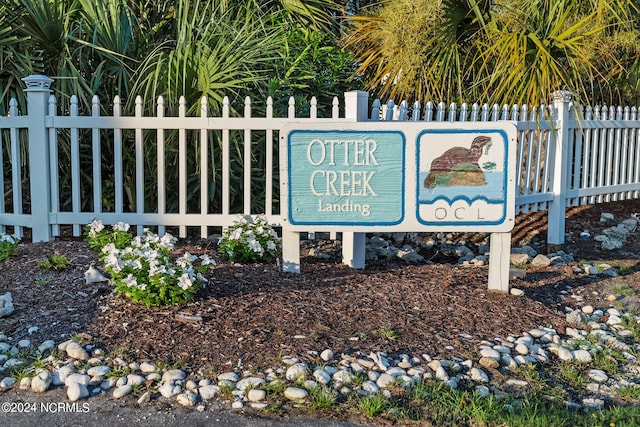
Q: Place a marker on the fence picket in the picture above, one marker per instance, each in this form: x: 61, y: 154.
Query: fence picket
x: 96, y: 158
x: 160, y: 150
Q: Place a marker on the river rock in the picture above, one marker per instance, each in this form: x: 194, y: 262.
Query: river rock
x: 77, y: 391
x: 122, y: 391
x: 76, y: 351
x: 173, y: 375
x: 295, y: 393
x: 208, y: 392
x: 188, y: 398
x: 296, y: 371
x: 41, y: 382
x: 326, y: 355
x: 6, y: 305
x: 256, y: 395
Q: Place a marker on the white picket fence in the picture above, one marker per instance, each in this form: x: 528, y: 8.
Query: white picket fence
x: 566, y: 156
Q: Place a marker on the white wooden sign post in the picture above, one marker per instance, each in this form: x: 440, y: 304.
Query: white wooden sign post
x: 391, y: 177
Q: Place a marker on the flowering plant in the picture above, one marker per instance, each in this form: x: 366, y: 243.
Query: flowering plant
x: 142, y: 268
x: 250, y: 240
x: 8, y: 245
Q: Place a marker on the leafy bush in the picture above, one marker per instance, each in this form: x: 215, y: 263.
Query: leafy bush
x: 8, y: 245
x: 142, y: 268
x: 250, y: 240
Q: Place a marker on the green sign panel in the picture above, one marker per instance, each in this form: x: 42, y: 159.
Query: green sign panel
x: 346, y: 177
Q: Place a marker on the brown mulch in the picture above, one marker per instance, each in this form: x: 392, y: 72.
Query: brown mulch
x: 253, y: 315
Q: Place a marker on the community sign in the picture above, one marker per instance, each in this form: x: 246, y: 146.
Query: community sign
x: 397, y: 176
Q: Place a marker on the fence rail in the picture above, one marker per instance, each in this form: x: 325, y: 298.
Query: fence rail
x: 68, y: 169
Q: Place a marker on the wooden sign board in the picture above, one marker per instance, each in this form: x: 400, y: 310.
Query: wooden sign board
x: 398, y: 176
x: 395, y: 176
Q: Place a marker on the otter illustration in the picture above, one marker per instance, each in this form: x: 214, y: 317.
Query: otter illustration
x: 458, y: 166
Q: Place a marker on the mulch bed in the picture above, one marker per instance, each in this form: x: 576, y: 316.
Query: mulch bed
x: 253, y: 315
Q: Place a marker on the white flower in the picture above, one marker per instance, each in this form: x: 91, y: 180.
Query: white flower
x: 130, y: 280
x: 95, y: 227
x: 7, y: 238
x: 255, y: 246
x: 121, y: 226
x: 270, y: 245
x: 207, y: 260
x: 185, y: 281
x: 185, y: 260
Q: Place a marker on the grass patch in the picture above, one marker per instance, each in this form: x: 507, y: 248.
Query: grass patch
x: 322, y: 399
x: 385, y: 332
x: 55, y: 262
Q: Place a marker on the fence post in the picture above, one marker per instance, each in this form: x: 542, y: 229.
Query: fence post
x: 38, y: 92
x: 354, y: 244
x: 561, y: 155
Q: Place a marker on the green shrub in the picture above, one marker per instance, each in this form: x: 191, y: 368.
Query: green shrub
x: 8, y: 245
x: 142, y: 268
x: 250, y: 240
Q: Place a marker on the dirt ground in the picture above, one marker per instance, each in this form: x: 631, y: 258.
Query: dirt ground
x: 253, y: 315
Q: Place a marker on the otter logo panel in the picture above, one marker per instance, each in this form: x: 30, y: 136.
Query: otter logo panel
x: 462, y: 177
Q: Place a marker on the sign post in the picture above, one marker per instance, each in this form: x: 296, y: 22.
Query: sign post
x: 391, y: 176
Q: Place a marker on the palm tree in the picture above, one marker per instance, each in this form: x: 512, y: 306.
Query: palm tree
x: 501, y: 50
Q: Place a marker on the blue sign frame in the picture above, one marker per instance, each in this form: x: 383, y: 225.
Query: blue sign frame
x: 346, y: 177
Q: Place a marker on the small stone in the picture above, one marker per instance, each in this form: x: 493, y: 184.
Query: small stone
x: 147, y: 368
x: 24, y: 343
x: 77, y: 379
x: 541, y: 260
x: 135, y: 380
x: 344, y: 377
x: 208, y: 392
x: 25, y: 383
x: 441, y: 374
x: 173, y: 375
x: 479, y: 375
x: 169, y: 390
x: 488, y: 362
x: 188, y: 398
x: 256, y: 395
x: 490, y: 353
x: 295, y: 393
x: 228, y: 376
x: 593, y: 403
x: 322, y: 376
x: 98, y: 370
x: 122, y: 391
x: 296, y: 371
x: 482, y: 390
x: 582, y: 356
x: 326, y: 355
x: 597, y: 375
x: 6, y: 305
x: 62, y: 374
x: 145, y: 398
x: 76, y: 351
x: 237, y: 404
x: 576, y: 317
x: 522, y: 348
x: 612, y: 298
x: 517, y: 383
x: 7, y: 383
x: 370, y: 387
x: 46, y: 345
x: 250, y: 382
x: 384, y: 380
x: 587, y: 309
x: 77, y: 391
x: 516, y: 292
x: 41, y: 382
x: 92, y: 275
